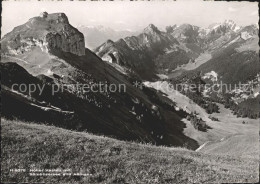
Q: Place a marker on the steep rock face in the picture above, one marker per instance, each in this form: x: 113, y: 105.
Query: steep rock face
x: 49, y: 31
x: 68, y: 41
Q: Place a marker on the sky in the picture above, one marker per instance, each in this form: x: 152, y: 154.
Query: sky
x: 135, y: 15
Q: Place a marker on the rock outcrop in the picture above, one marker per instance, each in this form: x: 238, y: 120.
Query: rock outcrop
x: 49, y: 31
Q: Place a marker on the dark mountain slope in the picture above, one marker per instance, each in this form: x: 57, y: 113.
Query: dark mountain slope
x: 233, y: 67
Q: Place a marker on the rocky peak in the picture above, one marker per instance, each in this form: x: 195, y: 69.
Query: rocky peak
x: 43, y: 14
x: 185, y: 33
x: 231, y: 25
x: 151, y: 29
x: 104, y: 47
x: 229, y: 22
x: 170, y: 29
x: 108, y: 43
x: 58, y: 17
x: 49, y: 32
x: 227, y: 25
x: 251, y: 30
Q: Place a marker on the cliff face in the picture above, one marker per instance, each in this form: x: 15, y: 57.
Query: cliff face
x: 49, y: 31
x: 68, y: 40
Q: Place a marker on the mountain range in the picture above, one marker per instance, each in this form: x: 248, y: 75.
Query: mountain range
x: 47, y: 50
x: 150, y: 131
x: 184, y: 48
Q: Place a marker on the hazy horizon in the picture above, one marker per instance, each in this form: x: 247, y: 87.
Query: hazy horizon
x: 134, y: 16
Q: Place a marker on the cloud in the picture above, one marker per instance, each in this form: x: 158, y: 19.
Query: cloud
x: 130, y: 30
x: 43, y: 9
x: 230, y: 9
x: 253, y: 13
x: 120, y: 22
x: 92, y: 20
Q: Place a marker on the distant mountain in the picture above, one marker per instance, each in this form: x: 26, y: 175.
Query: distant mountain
x: 229, y: 51
x: 235, y: 56
x: 96, y: 35
x: 185, y: 33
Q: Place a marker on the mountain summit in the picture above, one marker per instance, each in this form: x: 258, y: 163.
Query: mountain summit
x: 150, y: 29
x: 49, y: 32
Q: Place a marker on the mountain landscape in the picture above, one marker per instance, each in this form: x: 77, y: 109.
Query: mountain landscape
x: 189, y: 46
x: 45, y: 61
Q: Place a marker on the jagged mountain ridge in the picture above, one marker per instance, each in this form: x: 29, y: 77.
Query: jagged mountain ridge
x: 178, y: 46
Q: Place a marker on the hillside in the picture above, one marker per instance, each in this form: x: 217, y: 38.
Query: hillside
x: 227, y: 126
x: 107, y: 160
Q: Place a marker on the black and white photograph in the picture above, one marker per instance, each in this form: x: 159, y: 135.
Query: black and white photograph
x: 130, y: 92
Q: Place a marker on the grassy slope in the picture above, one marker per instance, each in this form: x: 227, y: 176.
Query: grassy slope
x: 238, y: 139
x: 227, y: 126
x: 110, y: 160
